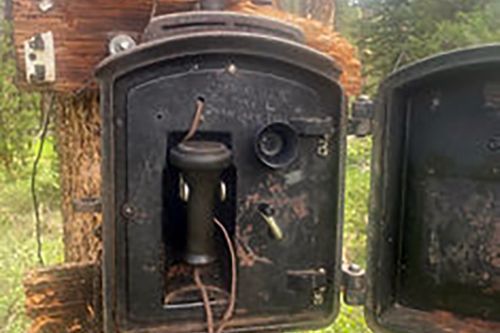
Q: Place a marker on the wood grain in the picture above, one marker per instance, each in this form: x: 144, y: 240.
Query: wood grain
x: 64, y: 299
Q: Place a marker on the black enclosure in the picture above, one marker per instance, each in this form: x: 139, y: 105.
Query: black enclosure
x: 227, y: 117
x: 434, y: 264
x: 277, y: 106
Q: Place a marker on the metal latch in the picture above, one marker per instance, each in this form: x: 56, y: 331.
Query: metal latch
x: 313, y: 279
x: 313, y: 126
x: 353, y: 284
x: 40, y: 58
x: 361, y: 121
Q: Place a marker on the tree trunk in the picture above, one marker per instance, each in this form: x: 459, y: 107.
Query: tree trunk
x: 64, y: 299
x: 79, y: 142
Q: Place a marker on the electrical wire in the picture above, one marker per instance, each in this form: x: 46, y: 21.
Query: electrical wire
x: 206, y: 300
x: 228, y: 314
x: 191, y: 288
x: 36, y: 205
x: 234, y: 278
x: 195, y: 124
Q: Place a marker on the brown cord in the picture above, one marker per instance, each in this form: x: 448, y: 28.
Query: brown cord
x: 206, y: 300
x: 200, y: 107
x: 184, y: 290
x: 228, y: 314
x: 234, y: 278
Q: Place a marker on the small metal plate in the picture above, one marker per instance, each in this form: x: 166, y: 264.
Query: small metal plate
x: 40, y: 58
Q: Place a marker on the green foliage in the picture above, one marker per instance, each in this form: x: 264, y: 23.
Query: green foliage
x: 394, y: 33
x: 18, y: 255
x: 19, y: 115
x: 19, y: 129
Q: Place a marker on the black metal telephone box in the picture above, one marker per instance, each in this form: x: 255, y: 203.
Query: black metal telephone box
x: 224, y: 144
x: 269, y: 144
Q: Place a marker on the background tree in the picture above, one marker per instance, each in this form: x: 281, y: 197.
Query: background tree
x: 393, y: 33
x: 18, y: 113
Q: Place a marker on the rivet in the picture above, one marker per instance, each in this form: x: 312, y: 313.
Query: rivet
x: 232, y: 69
x: 128, y: 211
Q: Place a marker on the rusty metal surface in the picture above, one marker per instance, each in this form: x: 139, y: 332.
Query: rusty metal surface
x: 410, y: 320
x: 452, y: 261
x: 435, y: 215
x: 463, y: 233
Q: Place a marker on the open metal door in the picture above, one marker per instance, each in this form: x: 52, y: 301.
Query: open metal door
x: 434, y: 259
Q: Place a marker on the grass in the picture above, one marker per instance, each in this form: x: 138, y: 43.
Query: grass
x: 18, y: 250
x: 18, y: 245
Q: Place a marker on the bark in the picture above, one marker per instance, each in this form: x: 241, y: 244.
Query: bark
x: 64, y: 299
x: 79, y: 146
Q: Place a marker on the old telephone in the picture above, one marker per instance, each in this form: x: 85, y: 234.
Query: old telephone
x: 224, y: 150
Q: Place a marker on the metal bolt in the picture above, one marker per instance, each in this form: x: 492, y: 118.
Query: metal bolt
x: 121, y: 43
x: 323, y: 147
x: 128, y: 211
x: 319, y: 296
x: 494, y: 144
x: 232, y: 69
x: 436, y: 103
x: 45, y: 5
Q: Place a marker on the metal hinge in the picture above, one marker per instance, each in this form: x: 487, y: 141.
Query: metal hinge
x: 353, y: 284
x: 361, y: 121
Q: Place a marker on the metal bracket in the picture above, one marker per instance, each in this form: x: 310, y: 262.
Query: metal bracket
x: 312, y: 126
x: 353, y: 284
x: 316, y: 279
x: 40, y: 58
x: 87, y: 205
x: 361, y: 121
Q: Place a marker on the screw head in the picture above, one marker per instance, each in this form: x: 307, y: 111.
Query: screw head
x: 232, y: 69
x: 128, y: 211
x: 45, y: 5
x: 121, y: 43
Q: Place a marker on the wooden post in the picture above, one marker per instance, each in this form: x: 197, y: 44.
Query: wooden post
x: 64, y: 299
x: 79, y: 145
